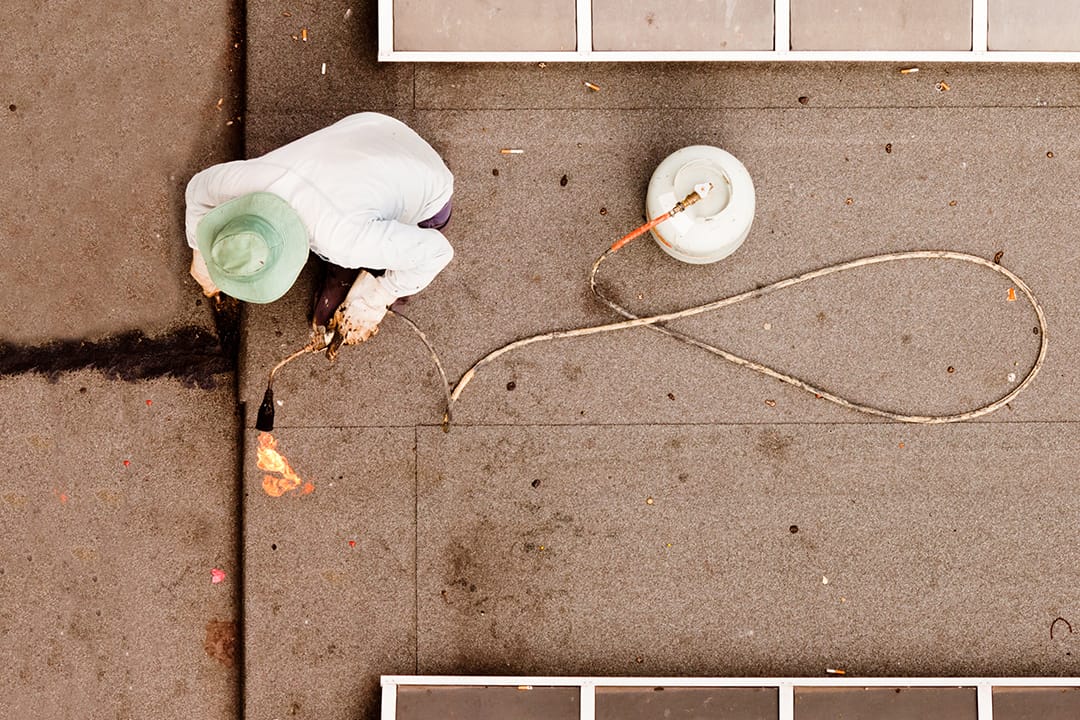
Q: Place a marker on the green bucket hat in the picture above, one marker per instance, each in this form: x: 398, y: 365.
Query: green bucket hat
x: 255, y: 246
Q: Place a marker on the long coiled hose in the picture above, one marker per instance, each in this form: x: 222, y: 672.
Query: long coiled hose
x: 655, y: 323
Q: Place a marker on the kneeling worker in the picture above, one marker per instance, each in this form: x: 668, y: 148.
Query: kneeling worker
x: 367, y: 195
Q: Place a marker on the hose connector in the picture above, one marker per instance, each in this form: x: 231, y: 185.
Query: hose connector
x: 334, y: 346
x: 700, y: 191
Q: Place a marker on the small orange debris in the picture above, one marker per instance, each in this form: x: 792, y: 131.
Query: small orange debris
x: 1012, y: 294
x: 901, y: 446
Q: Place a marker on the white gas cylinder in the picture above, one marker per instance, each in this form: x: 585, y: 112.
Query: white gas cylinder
x: 715, y: 226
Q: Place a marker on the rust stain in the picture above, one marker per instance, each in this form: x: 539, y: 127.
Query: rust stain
x: 15, y: 499
x: 109, y: 497
x: 85, y: 554
x: 334, y: 577
x: 220, y: 642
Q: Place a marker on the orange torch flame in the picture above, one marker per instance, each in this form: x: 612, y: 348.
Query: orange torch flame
x: 272, y: 461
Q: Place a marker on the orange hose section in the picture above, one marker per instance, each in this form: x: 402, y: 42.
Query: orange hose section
x: 643, y: 229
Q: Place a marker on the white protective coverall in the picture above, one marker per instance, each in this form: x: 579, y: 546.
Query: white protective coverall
x: 360, y: 186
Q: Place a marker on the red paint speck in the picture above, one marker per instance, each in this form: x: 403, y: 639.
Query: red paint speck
x: 352, y: 543
x: 216, y: 576
x: 126, y: 463
x: 149, y: 403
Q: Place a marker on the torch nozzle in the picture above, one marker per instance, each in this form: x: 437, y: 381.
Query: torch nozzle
x: 265, y: 420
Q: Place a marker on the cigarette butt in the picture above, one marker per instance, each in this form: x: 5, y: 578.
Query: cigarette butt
x: 219, y: 102
x: 230, y: 122
x: 908, y: 71
x: 324, y: 68
x: 348, y: 13
x: 286, y: 14
x: 942, y: 86
x: 1012, y: 294
x: 295, y: 37
x: 835, y: 671
x: 303, y: 34
x: 512, y: 151
x: 524, y: 687
x: 592, y: 86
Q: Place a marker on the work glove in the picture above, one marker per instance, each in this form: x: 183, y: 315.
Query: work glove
x: 202, y: 275
x: 357, y: 319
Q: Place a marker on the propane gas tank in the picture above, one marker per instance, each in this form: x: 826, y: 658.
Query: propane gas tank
x: 714, y: 227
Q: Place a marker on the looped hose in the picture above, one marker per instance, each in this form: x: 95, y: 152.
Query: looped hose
x: 653, y: 322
